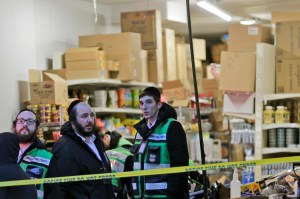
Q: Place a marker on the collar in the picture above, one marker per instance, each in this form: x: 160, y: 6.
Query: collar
x: 24, y: 149
x: 150, y: 125
x: 91, y: 138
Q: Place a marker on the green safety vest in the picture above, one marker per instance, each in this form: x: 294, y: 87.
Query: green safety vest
x: 156, y: 156
x: 117, y: 159
x: 35, y: 163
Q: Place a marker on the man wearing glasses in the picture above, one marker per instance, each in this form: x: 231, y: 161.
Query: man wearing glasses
x: 33, y: 157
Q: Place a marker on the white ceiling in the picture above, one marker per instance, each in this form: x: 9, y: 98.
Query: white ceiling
x: 206, y: 24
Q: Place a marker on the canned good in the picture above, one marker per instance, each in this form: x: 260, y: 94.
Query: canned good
x: 271, y: 138
x: 280, y: 138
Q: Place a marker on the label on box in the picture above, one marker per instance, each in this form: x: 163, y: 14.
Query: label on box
x: 253, y: 30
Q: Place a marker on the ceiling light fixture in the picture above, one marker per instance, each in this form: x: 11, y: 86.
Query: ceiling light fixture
x: 248, y: 22
x: 214, y: 9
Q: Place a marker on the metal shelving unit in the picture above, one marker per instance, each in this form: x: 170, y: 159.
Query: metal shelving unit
x: 265, y: 91
x: 109, y: 83
x: 116, y: 110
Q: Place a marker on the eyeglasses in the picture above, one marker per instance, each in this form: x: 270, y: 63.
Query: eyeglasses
x: 28, y: 121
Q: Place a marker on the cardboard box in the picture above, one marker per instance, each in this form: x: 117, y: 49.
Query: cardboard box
x: 86, y: 74
x: 182, y: 64
x: 174, y: 90
x: 244, y: 38
x: 238, y: 71
x: 169, y: 53
x: 239, y: 103
x: 281, y: 16
x: 147, y: 23
x: 216, y: 52
x: 288, y: 76
x: 77, y: 74
x: 52, y: 91
x: 86, y: 65
x: 82, y: 54
x: 210, y: 83
x: 283, y: 54
x: 144, y: 63
x: 199, y: 48
x: 155, y: 66
x: 128, y: 54
x: 287, y: 37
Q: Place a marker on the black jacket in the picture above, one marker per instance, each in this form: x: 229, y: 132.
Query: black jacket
x: 9, y: 170
x: 74, y: 157
x: 177, y: 148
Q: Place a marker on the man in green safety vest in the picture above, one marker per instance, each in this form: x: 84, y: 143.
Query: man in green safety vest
x: 160, y: 142
x: 121, y: 160
x: 33, y: 158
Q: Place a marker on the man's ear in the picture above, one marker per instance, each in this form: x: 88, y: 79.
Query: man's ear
x: 159, y: 105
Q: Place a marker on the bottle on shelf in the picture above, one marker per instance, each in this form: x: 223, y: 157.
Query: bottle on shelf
x: 235, y: 185
x: 286, y: 115
x: 280, y: 114
x: 269, y: 115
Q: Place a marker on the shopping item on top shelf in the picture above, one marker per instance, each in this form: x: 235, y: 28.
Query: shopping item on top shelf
x: 51, y: 90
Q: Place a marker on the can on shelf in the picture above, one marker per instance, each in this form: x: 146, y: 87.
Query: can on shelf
x: 271, y: 138
x: 280, y: 137
x: 291, y: 137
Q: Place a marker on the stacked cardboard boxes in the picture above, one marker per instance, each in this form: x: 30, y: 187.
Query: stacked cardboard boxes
x: 148, y: 24
x: 85, y: 62
x: 238, y: 66
x: 122, y: 47
x: 287, y: 55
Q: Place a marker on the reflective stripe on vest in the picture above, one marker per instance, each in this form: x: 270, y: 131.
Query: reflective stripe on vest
x: 137, y: 166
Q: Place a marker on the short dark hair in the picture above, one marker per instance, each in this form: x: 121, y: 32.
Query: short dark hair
x: 151, y: 91
x: 114, y: 138
x: 37, y: 121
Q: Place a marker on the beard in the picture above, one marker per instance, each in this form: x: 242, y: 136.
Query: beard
x: 26, y: 138
x: 82, y: 131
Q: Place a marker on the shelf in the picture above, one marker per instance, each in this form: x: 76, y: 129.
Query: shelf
x: 280, y: 150
x: 240, y: 115
x: 284, y: 125
x: 277, y: 96
x: 116, y: 110
x: 110, y: 82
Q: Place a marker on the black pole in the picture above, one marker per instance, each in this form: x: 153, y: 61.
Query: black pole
x: 205, y: 187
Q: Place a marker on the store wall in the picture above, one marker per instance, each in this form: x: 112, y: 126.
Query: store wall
x: 31, y: 31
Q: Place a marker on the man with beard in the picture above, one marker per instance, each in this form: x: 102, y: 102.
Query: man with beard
x: 80, y: 151
x: 33, y: 157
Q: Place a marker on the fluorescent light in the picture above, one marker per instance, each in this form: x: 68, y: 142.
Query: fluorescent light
x: 214, y: 9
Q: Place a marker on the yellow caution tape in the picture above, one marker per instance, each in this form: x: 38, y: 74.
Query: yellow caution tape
x: 171, y: 170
